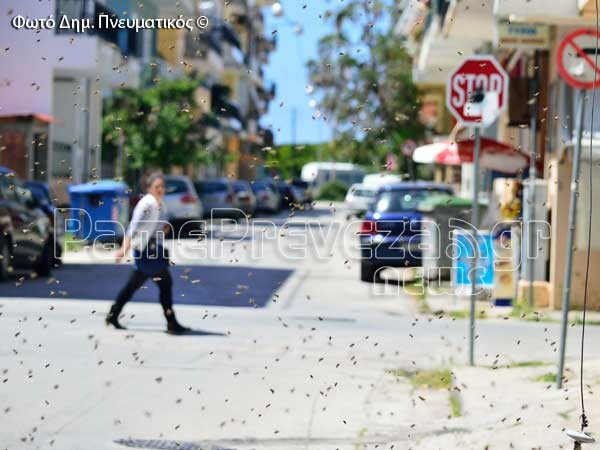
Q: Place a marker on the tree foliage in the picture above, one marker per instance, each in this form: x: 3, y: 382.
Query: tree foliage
x: 363, y: 76
x: 287, y: 160
x: 159, y: 125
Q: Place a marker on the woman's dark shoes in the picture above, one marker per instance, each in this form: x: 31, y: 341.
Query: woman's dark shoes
x: 113, y: 319
x: 175, y: 327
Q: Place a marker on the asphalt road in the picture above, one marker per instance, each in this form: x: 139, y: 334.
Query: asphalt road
x: 193, y: 285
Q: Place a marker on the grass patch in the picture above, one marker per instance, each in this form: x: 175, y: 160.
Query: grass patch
x: 522, y: 310
x: 72, y: 244
x: 433, y: 379
x: 565, y: 414
x: 548, y: 377
x: 464, y: 314
x: 415, y: 288
x: 579, y: 321
x: 455, y: 405
x: 520, y: 364
x: 528, y: 364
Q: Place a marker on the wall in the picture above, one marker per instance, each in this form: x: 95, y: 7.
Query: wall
x: 560, y: 180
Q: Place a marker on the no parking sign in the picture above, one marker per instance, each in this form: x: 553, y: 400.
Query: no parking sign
x: 576, y: 58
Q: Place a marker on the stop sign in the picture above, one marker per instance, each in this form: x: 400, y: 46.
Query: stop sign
x: 478, y: 71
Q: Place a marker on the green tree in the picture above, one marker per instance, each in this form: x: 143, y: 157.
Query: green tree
x: 287, y: 160
x: 159, y: 125
x: 363, y: 77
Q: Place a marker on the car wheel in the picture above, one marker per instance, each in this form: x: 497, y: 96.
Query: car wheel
x: 367, y: 273
x: 44, y: 265
x: 57, y: 257
x: 5, y: 261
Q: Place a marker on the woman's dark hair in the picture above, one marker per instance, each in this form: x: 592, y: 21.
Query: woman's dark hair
x: 151, y: 178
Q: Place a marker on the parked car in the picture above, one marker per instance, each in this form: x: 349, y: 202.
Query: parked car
x: 267, y: 195
x: 302, y: 191
x: 244, y: 197
x: 390, y: 234
x: 287, y: 197
x: 358, y: 199
x: 183, y: 203
x: 41, y: 193
x: 218, y: 197
x: 26, y: 234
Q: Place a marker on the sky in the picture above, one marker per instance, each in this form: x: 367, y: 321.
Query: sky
x: 287, y: 68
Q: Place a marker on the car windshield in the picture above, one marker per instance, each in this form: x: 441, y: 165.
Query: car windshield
x: 211, y: 187
x: 241, y: 186
x: 176, y: 186
x: 300, y: 184
x: 262, y: 186
x: 40, y: 193
x: 360, y: 192
x: 405, y: 199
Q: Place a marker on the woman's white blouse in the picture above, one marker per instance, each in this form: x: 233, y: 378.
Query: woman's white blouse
x: 147, y: 221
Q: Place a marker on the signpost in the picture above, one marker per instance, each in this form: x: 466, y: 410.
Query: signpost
x: 578, y: 69
x: 477, y: 92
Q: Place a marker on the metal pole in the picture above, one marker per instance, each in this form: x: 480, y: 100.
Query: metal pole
x: 294, y: 121
x: 531, y: 247
x: 475, y: 230
x: 566, y: 293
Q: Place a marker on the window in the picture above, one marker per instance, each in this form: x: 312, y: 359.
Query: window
x: 176, y: 187
x: 405, y: 200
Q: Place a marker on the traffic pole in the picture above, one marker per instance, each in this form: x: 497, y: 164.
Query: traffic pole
x: 566, y: 293
x: 475, y: 230
x: 531, y: 238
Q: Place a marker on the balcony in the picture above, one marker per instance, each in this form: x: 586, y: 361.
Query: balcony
x: 128, y: 41
x: 559, y: 12
x: 453, y: 29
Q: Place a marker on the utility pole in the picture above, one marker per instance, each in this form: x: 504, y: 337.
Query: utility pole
x: 474, y: 260
x: 566, y: 293
x: 530, y: 207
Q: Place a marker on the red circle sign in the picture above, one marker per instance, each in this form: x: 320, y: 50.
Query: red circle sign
x: 575, y: 58
x: 479, y: 71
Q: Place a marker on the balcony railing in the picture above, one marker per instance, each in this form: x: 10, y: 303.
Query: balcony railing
x: 128, y: 41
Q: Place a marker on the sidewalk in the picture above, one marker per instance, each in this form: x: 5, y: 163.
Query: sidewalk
x: 439, y: 302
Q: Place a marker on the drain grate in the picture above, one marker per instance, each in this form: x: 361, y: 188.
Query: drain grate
x: 162, y: 444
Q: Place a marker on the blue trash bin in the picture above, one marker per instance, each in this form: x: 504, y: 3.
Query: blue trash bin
x: 99, y: 211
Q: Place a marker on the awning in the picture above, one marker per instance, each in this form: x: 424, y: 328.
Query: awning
x: 44, y: 118
x: 427, y: 154
x: 495, y: 155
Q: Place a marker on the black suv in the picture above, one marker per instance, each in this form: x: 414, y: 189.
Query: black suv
x: 26, y: 234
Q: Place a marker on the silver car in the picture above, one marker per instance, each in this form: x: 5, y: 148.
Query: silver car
x: 358, y: 198
x: 218, y: 197
x: 182, y: 201
x: 267, y: 196
x: 244, y: 198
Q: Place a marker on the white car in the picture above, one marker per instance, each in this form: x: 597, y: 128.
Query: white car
x: 183, y: 203
x: 359, y: 197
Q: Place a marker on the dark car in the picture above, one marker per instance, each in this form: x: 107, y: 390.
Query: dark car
x: 41, y: 192
x: 26, y: 234
x: 287, y: 197
x: 302, y: 192
x: 390, y: 235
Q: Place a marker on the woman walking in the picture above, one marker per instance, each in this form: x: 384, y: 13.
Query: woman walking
x: 145, y: 237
